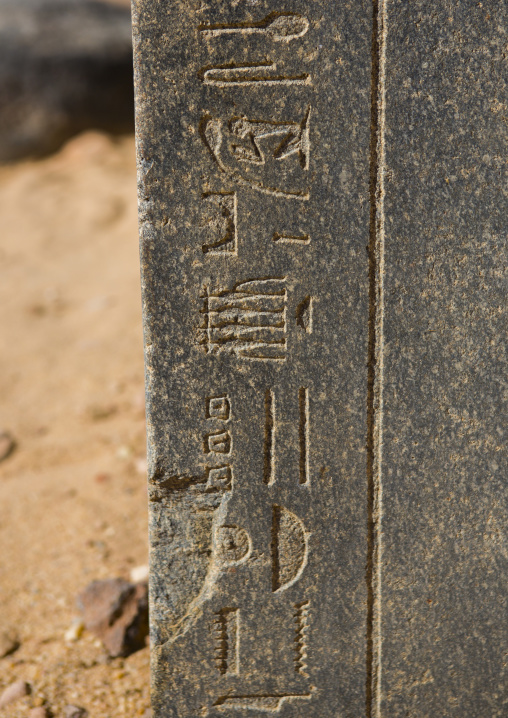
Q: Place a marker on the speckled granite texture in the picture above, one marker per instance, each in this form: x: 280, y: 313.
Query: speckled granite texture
x: 322, y: 218
x: 445, y: 572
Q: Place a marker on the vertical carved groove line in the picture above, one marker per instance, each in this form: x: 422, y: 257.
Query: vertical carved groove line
x: 206, y: 312
x: 276, y: 572
x: 269, y: 448
x: 375, y: 363
x: 303, y: 401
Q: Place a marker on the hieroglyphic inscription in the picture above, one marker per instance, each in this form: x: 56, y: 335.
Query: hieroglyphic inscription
x: 279, y: 26
x: 219, y: 478
x: 289, y: 548
x: 257, y: 121
x: 248, y: 320
x: 283, y: 238
x: 292, y: 138
x: 227, y: 640
x: 304, y: 312
x: 232, y: 544
x: 265, y: 703
x: 303, y: 434
x: 250, y: 74
x: 254, y: 171
x: 301, y: 638
x: 269, y: 443
x: 218, y: 407
x: 269, y: 470
x: 289, y: 542
x: 245, y: 149
x: 248, y: 151
x: 222, y: 224
x: 276, y: 26
x: 217, y: 442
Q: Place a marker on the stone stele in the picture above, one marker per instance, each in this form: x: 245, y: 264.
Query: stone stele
x: 323, y: 215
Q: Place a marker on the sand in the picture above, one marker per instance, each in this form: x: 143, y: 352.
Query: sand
x: 72, y: 494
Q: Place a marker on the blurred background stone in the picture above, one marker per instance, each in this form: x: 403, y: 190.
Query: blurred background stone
x: 14, y: 692
x: 7, y: 445
x: 9, y: 642
x: 65, y: 66
x: 75, y: 712
x: 116, y: 611
x: 40, y: 712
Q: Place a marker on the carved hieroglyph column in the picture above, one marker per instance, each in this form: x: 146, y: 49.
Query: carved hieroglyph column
x: 306, y: 264
x: 254, y: 147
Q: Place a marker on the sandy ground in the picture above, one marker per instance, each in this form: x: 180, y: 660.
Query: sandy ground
x: 72, y: 494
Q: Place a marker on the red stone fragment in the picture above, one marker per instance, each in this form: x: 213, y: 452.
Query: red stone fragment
x: 116, y: 611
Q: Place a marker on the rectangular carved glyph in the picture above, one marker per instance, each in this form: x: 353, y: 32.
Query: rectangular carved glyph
x: 254, y: 131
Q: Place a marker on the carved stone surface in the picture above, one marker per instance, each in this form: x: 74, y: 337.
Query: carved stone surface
x: 445, y: 568
x: 320, y: 217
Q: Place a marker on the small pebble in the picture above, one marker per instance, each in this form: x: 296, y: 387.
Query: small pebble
x: 116, y: 611
x: 7, y: 444
x: 139, y: 574
x: 124, y: 452
x: 9, y: 642
x: 75, y: 631
x: 98, y: 413
x: 141, y: 466
x: 14, y: 692
x: 74, y: 712
x: 40, y: 712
